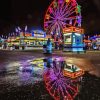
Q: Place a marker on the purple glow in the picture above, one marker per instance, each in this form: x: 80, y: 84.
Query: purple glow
x: 79, y: 20
x: 62, y: 16
x: 58, y: 85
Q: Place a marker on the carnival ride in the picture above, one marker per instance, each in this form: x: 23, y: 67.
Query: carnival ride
x: 63, y: 22
x: 57, y: 75
x: 61, y: 14
x: 59, y: 85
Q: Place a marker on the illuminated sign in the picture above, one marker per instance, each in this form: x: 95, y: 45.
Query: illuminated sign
x: 73, y: 29
x: 73, y: 74
x: 28, y: 34
x: 38, y: 34
x: 78, y: 30
x: 70, y: 29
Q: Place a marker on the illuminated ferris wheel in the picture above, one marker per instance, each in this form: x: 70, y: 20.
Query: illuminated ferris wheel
x: 61, y: 14
x: 58, y: 86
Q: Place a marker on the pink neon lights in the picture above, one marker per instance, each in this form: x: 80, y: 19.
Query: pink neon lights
x: 61, y: 14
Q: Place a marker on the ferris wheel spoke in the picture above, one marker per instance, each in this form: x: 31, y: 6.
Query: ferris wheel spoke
x: 57, y: 14
x: 56, y: 27
x: 53, y: 27
x: 75, y: 23
x: 50, y: 26
x: 69, y: 95
x: 65, y: 13
x: 73, y: 9
x: 59, y: 30
x: 51, y: 10
x: 62, y: 25
x: 64, y: 9
x: 63, y: 21
x: 69, y: 10
x: 72, y: 88
x: 67, y: 5
x: 62, y: 5
x: 48, y: 22
x: 66, y: 92
x: 58, y: 11
x: 70, y: 14
x: 52, y: 17
x: 70, y: 18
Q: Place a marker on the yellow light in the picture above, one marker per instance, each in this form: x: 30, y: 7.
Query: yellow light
x: 67, y: 1
x: 47, y: 16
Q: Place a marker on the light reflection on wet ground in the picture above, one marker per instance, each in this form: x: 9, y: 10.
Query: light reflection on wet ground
x: 27, y: 72
x: 24, y: 73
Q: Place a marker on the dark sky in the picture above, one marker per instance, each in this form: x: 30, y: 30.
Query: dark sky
x: 31, y: 12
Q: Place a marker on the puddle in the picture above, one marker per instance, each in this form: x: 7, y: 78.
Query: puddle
x: 60, y: 78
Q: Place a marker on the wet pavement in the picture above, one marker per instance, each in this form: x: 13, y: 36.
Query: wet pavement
x: 35, y: 76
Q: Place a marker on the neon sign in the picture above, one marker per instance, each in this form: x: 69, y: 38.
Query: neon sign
x: 73, y: 29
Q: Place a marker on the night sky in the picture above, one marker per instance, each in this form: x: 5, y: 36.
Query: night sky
x: 31, y: 12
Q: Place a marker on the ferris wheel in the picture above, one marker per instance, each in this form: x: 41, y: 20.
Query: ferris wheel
x: 61, y: 14
x: 58, y: 86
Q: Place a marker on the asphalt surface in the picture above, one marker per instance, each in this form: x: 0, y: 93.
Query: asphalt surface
x: 17, y: 85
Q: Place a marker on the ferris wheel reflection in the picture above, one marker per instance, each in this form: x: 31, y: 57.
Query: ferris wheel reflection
x: 58, y: 85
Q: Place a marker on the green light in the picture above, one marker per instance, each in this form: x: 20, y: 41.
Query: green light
x: 55, y: 4
x: 79, y: 8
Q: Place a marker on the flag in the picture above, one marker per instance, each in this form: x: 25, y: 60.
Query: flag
x: 25, y: 28
x: 16, y: 30
x: 19, y: 28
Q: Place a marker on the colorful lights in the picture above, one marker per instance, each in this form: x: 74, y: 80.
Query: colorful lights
x: 73, y: 29
x: 78, y: 8
x: 59, y: 86
x: 72, y: 71
x: 67, y: 1
x: 51, y: 70
x: 61, y: 14
x: 38, y: 62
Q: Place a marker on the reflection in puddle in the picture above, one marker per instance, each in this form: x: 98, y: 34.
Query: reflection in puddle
x: 29, y: 74
x: 32, y: 79
x: 61, y: 79
x: 58, y: 75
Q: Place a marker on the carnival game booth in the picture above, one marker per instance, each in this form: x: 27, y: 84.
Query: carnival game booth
x: 73, y: 39
x: 28, y: 40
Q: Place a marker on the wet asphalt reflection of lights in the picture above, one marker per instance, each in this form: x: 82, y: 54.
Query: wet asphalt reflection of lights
x: 48, y: 70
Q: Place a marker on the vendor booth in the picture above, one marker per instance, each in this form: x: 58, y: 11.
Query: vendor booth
x: 73, y: 39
